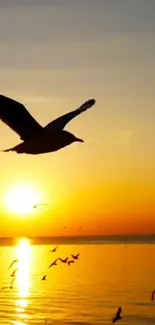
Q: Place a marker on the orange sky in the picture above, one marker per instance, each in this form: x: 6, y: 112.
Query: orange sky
x: 52, y: 65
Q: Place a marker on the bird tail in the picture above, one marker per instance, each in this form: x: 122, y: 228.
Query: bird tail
x: 7, y: 150
x: 16, y: 149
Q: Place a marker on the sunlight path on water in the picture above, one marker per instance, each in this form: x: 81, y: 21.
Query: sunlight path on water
x: 23, y: 251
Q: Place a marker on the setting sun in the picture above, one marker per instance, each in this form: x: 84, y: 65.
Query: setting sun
x: 20, y: 199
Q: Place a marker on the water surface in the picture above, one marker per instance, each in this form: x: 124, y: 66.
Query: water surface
x: 87, y: 292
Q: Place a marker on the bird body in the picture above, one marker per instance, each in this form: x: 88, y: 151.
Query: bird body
x: 14, y: 272
x: 117, y: 317
x: 75, y: 257
x: 11, y: 285
x: 54, y: 249
x: 53, y: 263
x: 40, y: 144
x: 44, y: 277
x: 70, y: 262
x: 38, y: 139
x: 41, y: 205
x: 63, y: 260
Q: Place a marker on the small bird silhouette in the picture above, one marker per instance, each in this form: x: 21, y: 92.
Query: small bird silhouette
x: 63, y: 260
x: 44, y: 277
x: 75, y: 257
x: 53, y: 263
x: 71, y: 261
x: 14, y: 272
x: 41, y: 205
x: 117, y: 317
x: 37, y: 139
x: 54, y: 249
x: 152, y: 296
x: 14, y: 261
x: 11, y: 285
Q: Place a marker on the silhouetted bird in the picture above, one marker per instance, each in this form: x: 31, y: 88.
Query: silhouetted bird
x: 14, y: 272
x: 53, y: 263
x: 14, y: 261
x: 75, y: 257
x: 117, y: 317
x: 11, y: 285
x: 63, y: 260
x: 153, y: 293
x: 41, y: 205
x: 69, y: 262
x: 54, y: 249
x: 38, y: 139
x: 44, y: 277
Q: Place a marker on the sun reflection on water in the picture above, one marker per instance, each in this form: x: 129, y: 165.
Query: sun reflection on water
x: 23, y: 253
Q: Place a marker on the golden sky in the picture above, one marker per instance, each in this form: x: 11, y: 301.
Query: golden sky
x: 54, y: 55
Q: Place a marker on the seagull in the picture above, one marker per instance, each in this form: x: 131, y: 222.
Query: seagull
x: 13, y: 273
x: 14, y: 261
x: 117, y: 317
x: 69, y: 262
x: 76, y: 257
x: 152, y: 297
x: 54, y: 249
x: 37, y: 139
x: 63, y: 260
x: 11, y: 286
x: 41, y: 204
x: 53, y: 263
x: 44, y: 277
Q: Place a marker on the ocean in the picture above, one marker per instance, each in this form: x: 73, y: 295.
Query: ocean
x: 109, y: 273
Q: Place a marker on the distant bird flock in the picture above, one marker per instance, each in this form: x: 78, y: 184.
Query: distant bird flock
x: 54, y: 263
x: 67, y: 261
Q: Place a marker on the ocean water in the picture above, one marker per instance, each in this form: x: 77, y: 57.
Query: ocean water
x: 89, y: 291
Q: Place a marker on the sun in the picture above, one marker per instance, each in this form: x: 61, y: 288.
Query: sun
x: 20, y: 199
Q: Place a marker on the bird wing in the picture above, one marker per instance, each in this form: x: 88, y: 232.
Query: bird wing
x: 59, y: 123
x: 12, y: 264
x: 12, y: 281
x: 16, y: 116
x: 118, y: 312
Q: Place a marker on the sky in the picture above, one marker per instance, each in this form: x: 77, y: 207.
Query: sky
x: 54, y: 55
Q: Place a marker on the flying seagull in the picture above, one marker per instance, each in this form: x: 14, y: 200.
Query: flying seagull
x: 76, y: 257
x: 63, y: 260
x: 38, y: 139
x: 44, y: 277
x: 41, y: 205
x: 11, y: 285
x: 54, y: 249
x: 71, y: 261
x: 53, y: 263
x: 117, y: 317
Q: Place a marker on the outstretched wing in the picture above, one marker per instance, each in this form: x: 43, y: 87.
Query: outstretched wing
x: 60, y: 122
x: 119, y: 312
x: 16, y: 116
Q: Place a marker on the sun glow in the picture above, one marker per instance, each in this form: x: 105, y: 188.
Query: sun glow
x: 21, y: 199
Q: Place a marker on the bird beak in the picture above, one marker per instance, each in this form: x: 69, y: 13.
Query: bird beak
x: 79, y: 140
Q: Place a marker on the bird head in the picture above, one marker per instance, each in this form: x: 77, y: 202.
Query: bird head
x: 78, y: 140
x: 70, y: 138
